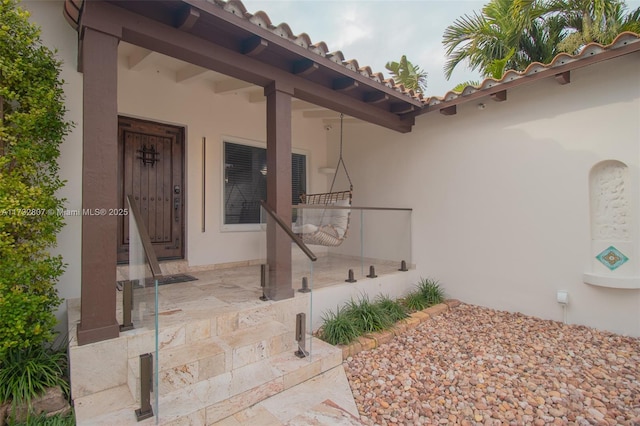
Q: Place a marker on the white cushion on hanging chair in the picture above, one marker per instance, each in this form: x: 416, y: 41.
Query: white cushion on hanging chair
x: 340, y: 217
x: 304, y: 229
x: 315, y: 217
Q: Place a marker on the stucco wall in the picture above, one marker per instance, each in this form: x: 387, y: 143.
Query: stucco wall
x: 501, y: 195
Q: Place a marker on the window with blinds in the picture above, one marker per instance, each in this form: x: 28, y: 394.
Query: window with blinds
x: 245, y: 181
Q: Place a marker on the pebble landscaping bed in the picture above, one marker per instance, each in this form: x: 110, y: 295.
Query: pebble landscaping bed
x: 473, y: 365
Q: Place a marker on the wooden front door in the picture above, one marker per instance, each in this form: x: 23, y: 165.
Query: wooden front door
x: 150, y: 168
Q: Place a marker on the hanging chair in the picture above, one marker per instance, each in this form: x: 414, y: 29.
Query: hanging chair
x: 323, y: 226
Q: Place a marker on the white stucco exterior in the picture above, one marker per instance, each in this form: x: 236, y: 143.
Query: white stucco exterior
x: 500, y: 195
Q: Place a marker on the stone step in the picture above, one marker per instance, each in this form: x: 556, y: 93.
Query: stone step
x: 227, y: 394
x: 184, y: 365
x: 249, y: 345
x: 220, y: 396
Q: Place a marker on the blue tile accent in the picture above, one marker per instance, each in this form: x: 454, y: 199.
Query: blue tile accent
x: 612, y: 258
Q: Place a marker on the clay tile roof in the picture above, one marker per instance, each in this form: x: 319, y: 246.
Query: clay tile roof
x: 366, y: 71
x: 336, y: 57
x: 303, y: 40
x: 352, y: 64
x: 261, y: 19
x: 625, y: 43
x: 284, y: 31
x: 320, y: 48
x: 236, y: 7
x: 560, y: 60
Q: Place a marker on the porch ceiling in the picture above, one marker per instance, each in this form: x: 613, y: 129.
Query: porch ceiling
x: 136, y: 58
x: 222, y: 37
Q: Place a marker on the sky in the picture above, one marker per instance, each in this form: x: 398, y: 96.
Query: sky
x: 377, y: 31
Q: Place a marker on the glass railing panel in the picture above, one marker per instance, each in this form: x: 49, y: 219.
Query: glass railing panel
x: 301, y: 280
x: 144, y: 314
x: 371, y: 237
x: 378, y: 237
x: 386, y: 239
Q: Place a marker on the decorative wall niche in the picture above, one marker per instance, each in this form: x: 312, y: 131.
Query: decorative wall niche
x: 613, y: 247
x: 610, y: 207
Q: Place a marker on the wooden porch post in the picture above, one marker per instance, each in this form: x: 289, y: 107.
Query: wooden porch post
x: 279, y: 188
x: 99, y: 187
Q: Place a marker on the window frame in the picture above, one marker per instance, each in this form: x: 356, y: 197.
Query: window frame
x: 248, y: 227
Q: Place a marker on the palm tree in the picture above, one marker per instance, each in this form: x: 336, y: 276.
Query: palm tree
x: 409, y: 75
x: 589, y: 21
x: 518, y: 32
x: 496, y: 34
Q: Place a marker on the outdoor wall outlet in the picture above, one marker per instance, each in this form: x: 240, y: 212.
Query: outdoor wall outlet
x: 563, y: 297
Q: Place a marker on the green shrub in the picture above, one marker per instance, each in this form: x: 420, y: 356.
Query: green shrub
x: 431, y: 291
x: 32, y: 127
x: 338, y: 328
x: 27, y: 373
x: 55, y: 420
x: 368, y: 317
x: 415, y: 301
x: 394, y: 309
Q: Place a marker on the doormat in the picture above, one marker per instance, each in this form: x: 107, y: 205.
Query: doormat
x: 167, y: 279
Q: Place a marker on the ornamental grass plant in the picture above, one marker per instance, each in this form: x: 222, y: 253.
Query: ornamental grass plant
x: 362, y: 316
x: 367, y: 316
x: 338, y: 328
x: 431, y: 291
x: 28, y: 373
x: 394, y: 309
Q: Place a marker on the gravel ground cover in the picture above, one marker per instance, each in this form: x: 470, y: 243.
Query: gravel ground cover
x: 473, y: 365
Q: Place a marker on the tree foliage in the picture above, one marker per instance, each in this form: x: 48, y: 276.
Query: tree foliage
x: 511, y: 34
x: 32, y: 127
x: 409, y: 75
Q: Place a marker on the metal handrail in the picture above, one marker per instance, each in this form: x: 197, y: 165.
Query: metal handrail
x: 146, y: 240
x: 288, y: 231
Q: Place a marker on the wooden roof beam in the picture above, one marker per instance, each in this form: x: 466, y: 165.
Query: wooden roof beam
x: 452, y: 110
x: 254, y: 46
x: 187, y: 18
x: 563, y: 77
x: 500, y: 96
x: 401, y: 108
x: 304, y: 67
x: 375, y: 97
x: 344, y: 84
